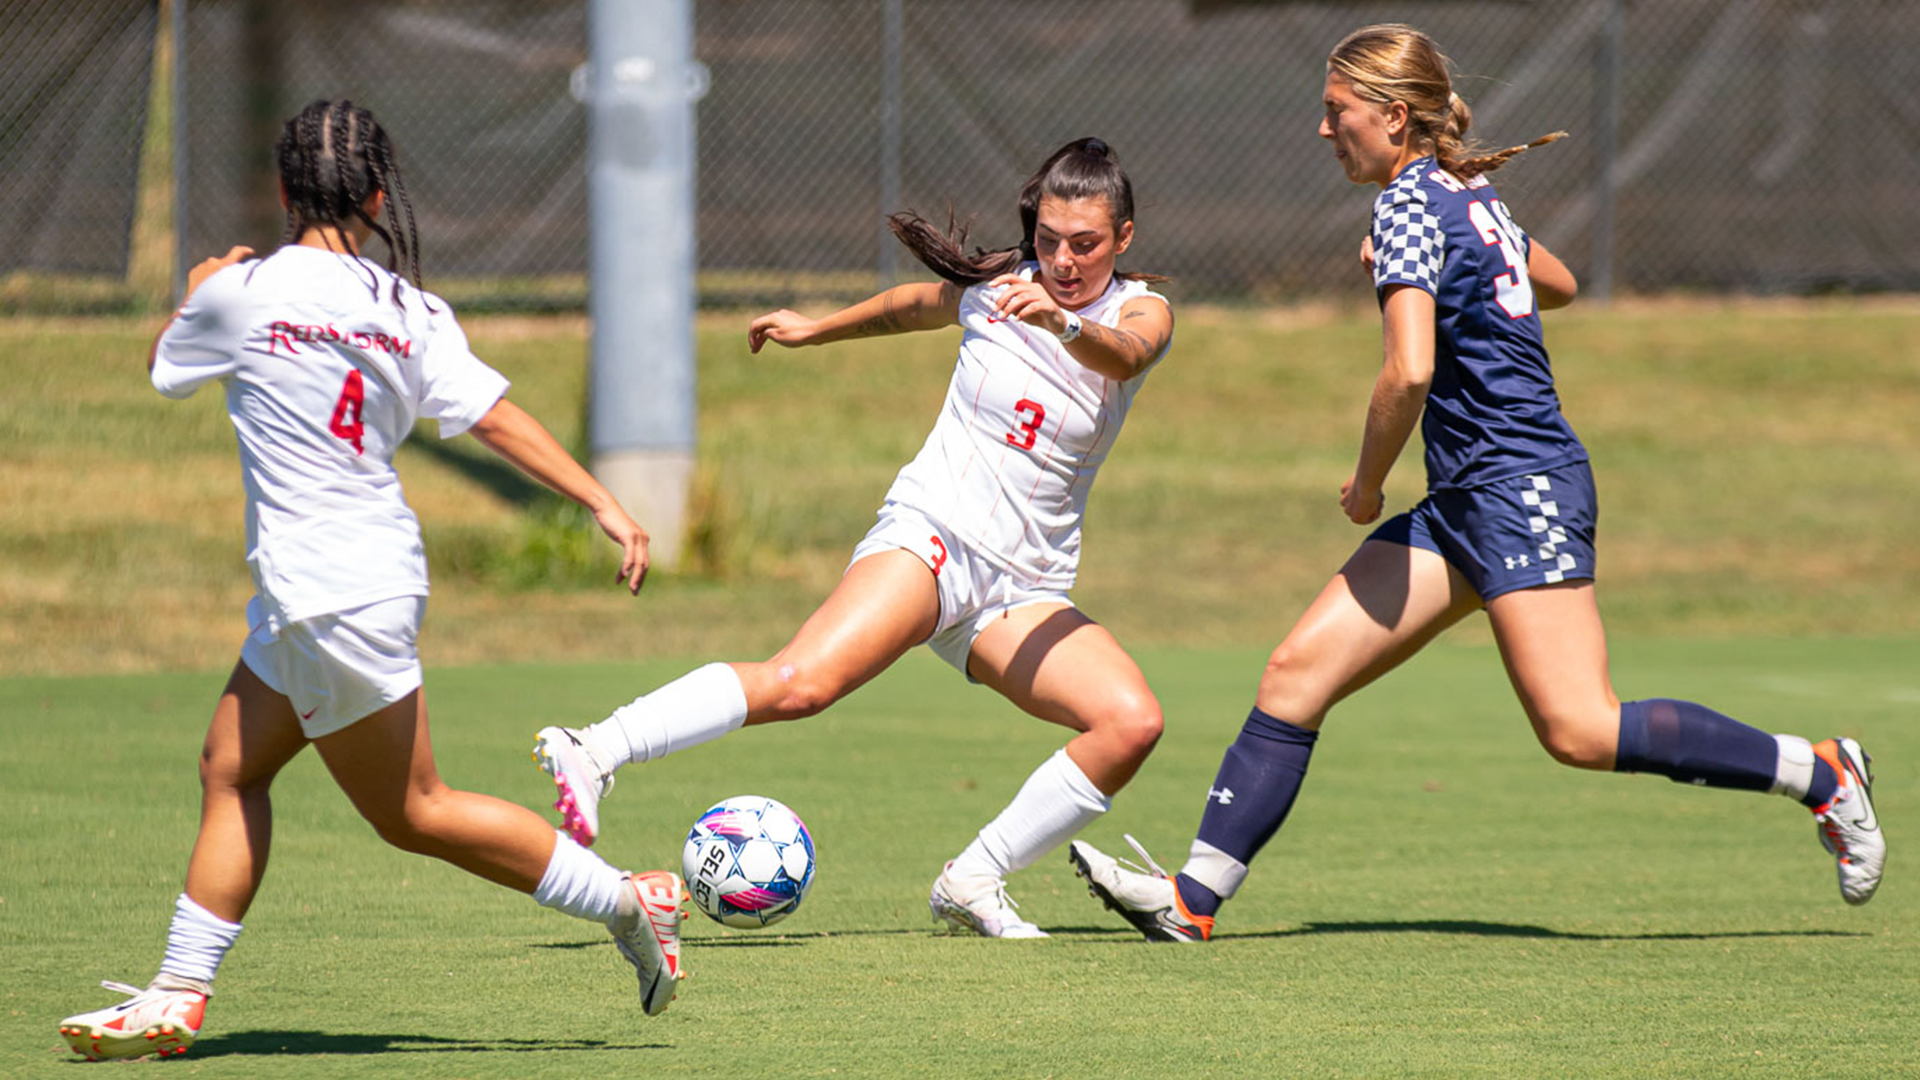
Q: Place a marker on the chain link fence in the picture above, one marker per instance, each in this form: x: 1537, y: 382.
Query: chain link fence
x: 1750, y: 145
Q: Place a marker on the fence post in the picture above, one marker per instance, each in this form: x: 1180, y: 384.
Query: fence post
x: 892, y: 21
x: 641, y: 84
x: 1600, y: 276
x: 177, y: 90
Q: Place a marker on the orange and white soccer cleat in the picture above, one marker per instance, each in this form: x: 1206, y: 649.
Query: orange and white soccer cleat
x: 1147, y: 898
x: 1849, y: 829
x: 162, y: 1019
x: 647, y: 930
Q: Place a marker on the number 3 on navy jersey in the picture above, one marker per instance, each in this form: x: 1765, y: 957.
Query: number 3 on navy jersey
x: 1513, y: 289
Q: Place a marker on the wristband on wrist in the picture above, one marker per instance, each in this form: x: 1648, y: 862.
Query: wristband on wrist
x: 1073, y: 328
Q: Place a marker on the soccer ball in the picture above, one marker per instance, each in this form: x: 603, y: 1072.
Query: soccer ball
x: 748, y: 862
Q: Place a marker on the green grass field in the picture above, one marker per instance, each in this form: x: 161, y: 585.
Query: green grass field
x: 1445, y: 902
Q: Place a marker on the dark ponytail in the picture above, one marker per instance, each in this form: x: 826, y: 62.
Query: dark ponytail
x: 332, y: 158
x: 1082, y: 169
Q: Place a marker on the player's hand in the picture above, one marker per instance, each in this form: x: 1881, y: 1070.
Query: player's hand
x: 783, y: 327
x: 210, y: 267
x: 1361, y: 504
x: 623, y: 530
x: 1366, y: 255
x: 1027, y: 301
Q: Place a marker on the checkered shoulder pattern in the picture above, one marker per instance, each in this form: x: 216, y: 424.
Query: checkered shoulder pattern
x: 1409, y: 244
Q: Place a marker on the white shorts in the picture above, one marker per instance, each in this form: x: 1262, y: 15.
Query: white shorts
x: 341, y: 667
x: 973, y: 591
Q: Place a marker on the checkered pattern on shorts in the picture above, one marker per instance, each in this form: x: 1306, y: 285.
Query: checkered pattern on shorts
x: 1541, y: 510
x: 1408, y: 242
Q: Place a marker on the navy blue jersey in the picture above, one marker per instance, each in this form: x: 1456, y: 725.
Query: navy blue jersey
x: 1491, y: 412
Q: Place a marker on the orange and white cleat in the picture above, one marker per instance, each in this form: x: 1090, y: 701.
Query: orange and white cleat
x: 647, y: 931
x: 162, y: 1019
x: 581, y: 776
x: 1849, y: 829
x: 1144, y: 896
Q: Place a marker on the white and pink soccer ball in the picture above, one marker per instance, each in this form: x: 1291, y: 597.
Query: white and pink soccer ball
x: 748, y: 862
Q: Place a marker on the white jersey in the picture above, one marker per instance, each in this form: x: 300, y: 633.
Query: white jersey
x: 1024, y: 429
x: 325, y: 377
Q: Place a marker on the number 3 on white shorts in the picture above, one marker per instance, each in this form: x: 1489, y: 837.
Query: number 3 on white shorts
x: 1513, y: 289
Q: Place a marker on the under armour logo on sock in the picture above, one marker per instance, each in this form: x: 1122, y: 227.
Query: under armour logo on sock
x: 1223, y: 796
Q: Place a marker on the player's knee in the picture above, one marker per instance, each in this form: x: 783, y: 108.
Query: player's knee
x: 1569, y: 737
x: 804, y: 695
x: 1135, y: 724
x: 1287, y: 687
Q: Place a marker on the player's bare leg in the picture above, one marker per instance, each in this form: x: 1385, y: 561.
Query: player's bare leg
x: 885, y: 605
x: 384, y: 763
x: 1556, y: 654
x: 1383, y: 606
x: 1059, y: 665
x: 254, y: 733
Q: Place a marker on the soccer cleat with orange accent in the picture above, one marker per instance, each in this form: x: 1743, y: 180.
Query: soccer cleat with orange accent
x: 647, y: 931
x: 580, y: 774
x: 1147, y: 898
x: 1848, y: 827
x: 151, y: 1021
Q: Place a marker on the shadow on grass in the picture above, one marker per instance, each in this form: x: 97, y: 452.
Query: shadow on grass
x: 775, y: 939
x: 1478, y: 929
x: 290, y: 1043
x: 1521, y: 930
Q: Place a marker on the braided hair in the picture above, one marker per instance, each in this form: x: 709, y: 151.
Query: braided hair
x: 1082, y: 169
x: 333, y: 157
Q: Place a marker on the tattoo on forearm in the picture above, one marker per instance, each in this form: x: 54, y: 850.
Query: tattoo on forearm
x: 886, y: 322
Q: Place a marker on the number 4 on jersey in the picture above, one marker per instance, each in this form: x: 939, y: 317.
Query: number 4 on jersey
x: 1513, y: 289
x: 346, y: 411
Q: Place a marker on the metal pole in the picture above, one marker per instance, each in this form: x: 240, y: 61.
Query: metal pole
x: 642, y: 82
x: 177, y: 29
x: 1600, y: 279
x: 892, y: 24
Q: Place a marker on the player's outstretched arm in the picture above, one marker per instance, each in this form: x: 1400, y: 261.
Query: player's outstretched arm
x: 901, y: 309
x: 508, y: 430
x: 1406, y: 373
x: 1553, y: 284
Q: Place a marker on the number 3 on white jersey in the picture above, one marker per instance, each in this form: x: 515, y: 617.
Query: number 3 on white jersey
x: 1513, y: 289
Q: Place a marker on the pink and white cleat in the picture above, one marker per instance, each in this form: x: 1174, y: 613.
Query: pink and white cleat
x: 162, y: 1019
x: 580, y: 774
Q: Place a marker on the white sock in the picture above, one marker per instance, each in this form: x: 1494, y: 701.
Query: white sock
x: 1056, y: 801
x: 697, y: 707
x: 1215, y: 869
x: 1793, y: 769
x: 197, y: 941
x: 580, y: 883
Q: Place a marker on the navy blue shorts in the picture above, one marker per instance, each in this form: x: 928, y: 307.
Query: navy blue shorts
x: 1518, y: 533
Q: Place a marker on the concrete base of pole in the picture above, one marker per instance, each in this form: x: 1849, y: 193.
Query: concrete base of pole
x: 653, y: 486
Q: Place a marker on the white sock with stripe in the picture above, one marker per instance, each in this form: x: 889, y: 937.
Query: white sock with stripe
x: 580, y: 883
x: 1056, y: 802
x: 697, y: 707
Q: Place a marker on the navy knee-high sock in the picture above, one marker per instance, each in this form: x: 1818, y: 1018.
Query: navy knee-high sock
x: 1259, y: 778
x: 1692, y: 744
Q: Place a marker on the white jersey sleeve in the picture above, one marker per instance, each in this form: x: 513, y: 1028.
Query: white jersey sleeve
x: 456, y: 387
x: 202, y: 343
